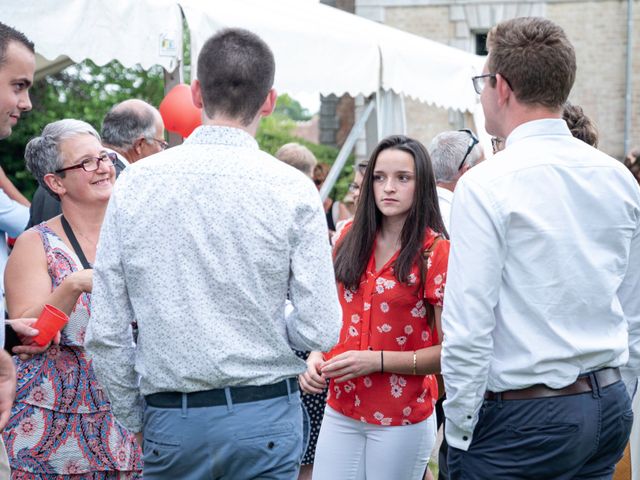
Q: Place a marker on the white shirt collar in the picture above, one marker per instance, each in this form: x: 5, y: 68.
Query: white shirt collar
x: 545, y: 126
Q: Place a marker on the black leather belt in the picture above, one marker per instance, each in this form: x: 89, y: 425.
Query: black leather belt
x: 217, y: 396
x: 604, y: 378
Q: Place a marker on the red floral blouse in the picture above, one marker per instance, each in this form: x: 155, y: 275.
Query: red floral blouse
x: 384, y: 314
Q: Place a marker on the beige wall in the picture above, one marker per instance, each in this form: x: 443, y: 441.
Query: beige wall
x: 423, y: 121
x: 597, y: 28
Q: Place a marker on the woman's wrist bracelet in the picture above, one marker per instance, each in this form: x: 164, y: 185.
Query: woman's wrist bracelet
x: 381, y: 361
x: 415, y: 363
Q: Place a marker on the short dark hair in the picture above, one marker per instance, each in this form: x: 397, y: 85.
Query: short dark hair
x: 581, y: 126
x: 236, y: 69
x: 123, y: 125
x: 8, y: 35
x: 535, y: 57
x: 354, y: 249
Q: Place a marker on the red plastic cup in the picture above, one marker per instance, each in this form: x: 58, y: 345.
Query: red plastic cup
x: 50, y: 322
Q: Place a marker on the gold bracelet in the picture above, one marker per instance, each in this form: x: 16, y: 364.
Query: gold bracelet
x: 415, y: 363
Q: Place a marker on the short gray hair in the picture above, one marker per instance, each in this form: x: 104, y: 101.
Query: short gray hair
x: 42, y: 154
x: 447, y: 150
x: 123, y: 125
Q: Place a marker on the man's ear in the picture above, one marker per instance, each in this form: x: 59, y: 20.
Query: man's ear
x: 137, y: 146
x: 196, y: 93
x: 269, y: 103
x: 54, y: 182
x: 503, y: 89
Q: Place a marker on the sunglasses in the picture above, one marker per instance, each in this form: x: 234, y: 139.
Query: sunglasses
x: 473, y: 141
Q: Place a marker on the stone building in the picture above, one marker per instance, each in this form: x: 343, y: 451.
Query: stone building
x: 597, y: 28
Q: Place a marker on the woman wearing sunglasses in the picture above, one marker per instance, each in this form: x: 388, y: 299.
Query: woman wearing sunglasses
x: 61, y: 424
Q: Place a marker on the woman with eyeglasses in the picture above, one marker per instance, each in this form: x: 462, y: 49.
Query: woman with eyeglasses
x: 61, y: 424
x: 390, y: 267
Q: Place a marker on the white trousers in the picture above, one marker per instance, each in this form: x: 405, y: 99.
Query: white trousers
x: 348, y: 449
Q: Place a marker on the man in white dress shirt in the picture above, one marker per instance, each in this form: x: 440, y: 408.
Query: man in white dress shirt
x: 201, y: 244
x: 542, y: 312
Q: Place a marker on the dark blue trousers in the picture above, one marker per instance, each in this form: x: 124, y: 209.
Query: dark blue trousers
x: 570, y: 437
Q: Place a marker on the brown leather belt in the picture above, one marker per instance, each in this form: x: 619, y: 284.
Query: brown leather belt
x: 604, y: 378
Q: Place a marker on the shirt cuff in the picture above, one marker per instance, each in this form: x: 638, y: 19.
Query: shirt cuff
x: 133, y: 419
x: 457, y: 437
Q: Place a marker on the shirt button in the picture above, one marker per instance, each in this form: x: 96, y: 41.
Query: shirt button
x: 468, y: 417
x: 465, y: 438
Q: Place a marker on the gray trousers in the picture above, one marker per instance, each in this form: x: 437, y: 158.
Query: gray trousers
x: 261, y: 439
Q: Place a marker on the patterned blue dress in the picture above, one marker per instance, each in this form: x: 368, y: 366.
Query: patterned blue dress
x: 61, y: 424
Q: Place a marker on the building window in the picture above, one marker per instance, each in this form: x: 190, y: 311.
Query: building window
x: 480, y: 43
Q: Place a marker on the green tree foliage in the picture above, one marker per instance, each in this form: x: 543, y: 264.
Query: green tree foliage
x: 278, y: 129
x: 84, y: 91
x: 291, y: 108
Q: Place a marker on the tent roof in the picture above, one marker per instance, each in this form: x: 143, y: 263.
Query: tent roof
x: 145, y: 32
x: 317, y: 48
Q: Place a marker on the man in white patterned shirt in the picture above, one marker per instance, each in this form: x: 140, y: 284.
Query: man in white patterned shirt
x: 201, y: 246
x: 542, y: 314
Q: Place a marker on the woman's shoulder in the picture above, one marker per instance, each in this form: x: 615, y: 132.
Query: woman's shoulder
x: 433, y: 239
x: 38, y: 235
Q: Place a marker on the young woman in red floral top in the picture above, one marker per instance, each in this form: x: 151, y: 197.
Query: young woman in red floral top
x: 378, y: 423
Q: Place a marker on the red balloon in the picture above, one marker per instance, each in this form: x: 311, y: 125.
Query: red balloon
x: 178, y: 112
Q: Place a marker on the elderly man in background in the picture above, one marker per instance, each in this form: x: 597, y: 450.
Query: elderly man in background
x: 452, y: 154
x: 133, y: 129
x: 211, y: 384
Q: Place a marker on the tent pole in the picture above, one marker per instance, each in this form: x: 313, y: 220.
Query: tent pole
x: 171, y: 79
x: 346, y: 149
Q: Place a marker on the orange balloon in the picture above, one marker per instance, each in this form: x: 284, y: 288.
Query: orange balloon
x: 178, y: 112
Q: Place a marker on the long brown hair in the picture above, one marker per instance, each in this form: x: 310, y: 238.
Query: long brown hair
x: 354, y: 250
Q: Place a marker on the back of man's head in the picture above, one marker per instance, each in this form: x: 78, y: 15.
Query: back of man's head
x: 298, y: 156
x: 447, y: 150
x: 8, y: 35
x: 127, y: 122
x: 536, y: 59
x: 236, y: 69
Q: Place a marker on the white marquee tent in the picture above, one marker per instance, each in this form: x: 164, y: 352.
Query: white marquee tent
x: 317, y: 48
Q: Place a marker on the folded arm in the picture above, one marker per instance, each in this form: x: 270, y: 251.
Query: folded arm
x: 109, y: 338
x: 315, y: 322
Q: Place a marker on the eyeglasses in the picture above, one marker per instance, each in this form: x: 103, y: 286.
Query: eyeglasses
x: 497, y: 144
x: 354, y: 187
x: 92, y: 164
x: 473, y: 141
x: 479, y: 81
x: 163, y: 144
